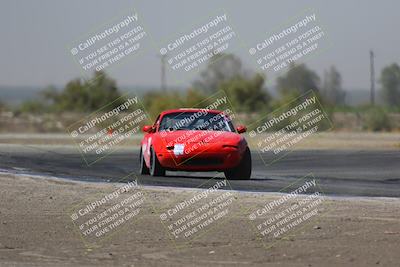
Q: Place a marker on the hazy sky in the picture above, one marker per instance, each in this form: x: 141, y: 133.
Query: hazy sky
x: 35, y: 35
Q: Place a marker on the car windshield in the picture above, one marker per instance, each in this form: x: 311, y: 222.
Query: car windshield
x: 196, y: 121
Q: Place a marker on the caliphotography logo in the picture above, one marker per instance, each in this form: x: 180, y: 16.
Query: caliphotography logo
x: 291, y: 43
x: 301, y: 203
x: 283, y: 130
x: 110, y: 127
x: 188, y: 50
x: 196, y: 214
x: 99, y: 218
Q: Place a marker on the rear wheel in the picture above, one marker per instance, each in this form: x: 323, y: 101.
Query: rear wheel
x: 143, y: 168
x: 243, y: 170
x: 155, y: 167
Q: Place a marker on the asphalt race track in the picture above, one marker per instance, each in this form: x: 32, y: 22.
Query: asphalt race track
x: 344, y: 173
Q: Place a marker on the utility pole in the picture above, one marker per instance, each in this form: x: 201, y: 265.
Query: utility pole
x: 163, y: 78
x: 372, y: 74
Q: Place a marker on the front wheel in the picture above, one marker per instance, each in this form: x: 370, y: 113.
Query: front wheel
x: 243, y: 170
x: 143, y: 168
x: 155, y: 167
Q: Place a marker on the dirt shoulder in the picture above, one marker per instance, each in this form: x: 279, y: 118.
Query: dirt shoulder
x: 36, y: 230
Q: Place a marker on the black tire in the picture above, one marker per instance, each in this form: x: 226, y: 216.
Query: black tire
x: 143, y: 168
x: 155, y: 167
x: 243, y: 170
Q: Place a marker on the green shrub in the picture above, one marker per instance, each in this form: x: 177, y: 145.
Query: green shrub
x: 376, y: 119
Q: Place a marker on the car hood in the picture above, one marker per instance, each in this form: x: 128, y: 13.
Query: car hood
x: 193, y: 136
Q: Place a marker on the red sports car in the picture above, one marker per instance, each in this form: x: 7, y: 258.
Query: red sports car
x: 195, y: 140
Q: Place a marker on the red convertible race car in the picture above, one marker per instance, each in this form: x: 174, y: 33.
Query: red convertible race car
x: 195, y: 140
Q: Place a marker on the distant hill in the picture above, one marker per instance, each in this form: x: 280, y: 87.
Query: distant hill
x: 15, y: 95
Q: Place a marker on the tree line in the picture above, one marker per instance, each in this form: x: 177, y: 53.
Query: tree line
x: 245, y: 88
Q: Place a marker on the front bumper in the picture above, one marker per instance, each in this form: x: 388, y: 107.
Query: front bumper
x: 201, y: 161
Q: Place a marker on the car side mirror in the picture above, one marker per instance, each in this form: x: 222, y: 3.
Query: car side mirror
x: 147, y: 129
x: 241, y: 129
